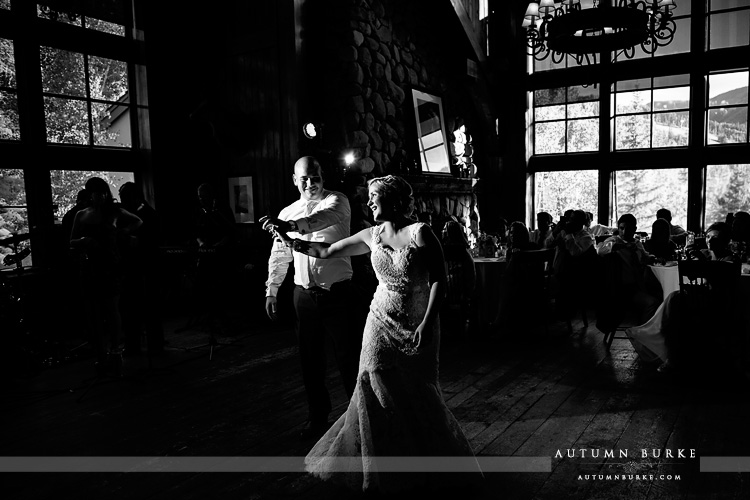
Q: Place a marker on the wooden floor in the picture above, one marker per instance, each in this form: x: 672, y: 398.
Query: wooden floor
x: 515, y: 395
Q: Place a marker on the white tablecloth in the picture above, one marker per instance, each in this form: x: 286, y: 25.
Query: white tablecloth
x: 669, y: 278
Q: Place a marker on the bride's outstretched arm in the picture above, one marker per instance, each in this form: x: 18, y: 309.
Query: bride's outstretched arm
x: 436, y: 267
x: 356, y: 244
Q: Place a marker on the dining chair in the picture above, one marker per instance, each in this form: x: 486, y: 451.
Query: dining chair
x: 610, y: 320
x: 535, y: 266
x: 712, y: 312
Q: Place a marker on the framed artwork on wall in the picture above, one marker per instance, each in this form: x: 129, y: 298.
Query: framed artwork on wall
x: 434, y: 156
x: 241, y: 199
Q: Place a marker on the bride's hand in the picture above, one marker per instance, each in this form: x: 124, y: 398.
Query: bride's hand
x: 422, y: 335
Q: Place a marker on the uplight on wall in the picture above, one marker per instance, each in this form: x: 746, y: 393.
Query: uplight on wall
x: 349, y: 158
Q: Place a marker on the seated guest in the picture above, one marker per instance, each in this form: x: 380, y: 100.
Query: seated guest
x: 518, y: 238
x: 539, y: 235
x: 460, y: 278
x: 660, y: 245
x: 624, y: 267
x: 516, y: 294
x: 718, y: 236
x: 575, y: 258
x: 677, y: 233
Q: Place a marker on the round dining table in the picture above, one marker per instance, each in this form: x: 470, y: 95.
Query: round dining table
x: 668, y: 276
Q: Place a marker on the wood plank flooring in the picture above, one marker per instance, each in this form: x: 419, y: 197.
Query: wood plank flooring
x: 521, y: 394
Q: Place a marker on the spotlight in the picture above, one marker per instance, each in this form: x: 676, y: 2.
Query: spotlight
x: 349, y: 158
x: 310, y: 130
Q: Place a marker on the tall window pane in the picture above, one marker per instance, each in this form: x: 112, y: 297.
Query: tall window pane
x: 652, y: 113
x: 549, y: 138
x: 727, y: 108
x: 729, y: 29
x: 13, y: 219
x: 557, y: 192
x: 9, y: 129
x: 67, y: 121
x: 583, y: 135
x: 727, y: 190
x: 566, y: 120
x: 643, y: 192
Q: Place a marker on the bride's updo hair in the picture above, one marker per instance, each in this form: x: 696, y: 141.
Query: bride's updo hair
x: 395, y: 190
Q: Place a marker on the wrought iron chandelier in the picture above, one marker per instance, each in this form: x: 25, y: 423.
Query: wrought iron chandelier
x: 617, y: 26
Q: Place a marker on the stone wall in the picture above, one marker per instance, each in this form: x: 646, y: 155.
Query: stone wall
x: 367, y: 56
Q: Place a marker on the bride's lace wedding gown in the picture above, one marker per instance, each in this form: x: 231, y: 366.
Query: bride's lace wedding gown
x: 397, y: 408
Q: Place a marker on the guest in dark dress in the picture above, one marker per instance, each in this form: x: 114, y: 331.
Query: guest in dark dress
x: 140, y: 303
x: 96, y: 231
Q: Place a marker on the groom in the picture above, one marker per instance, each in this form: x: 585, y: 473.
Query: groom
x: 324, y: 298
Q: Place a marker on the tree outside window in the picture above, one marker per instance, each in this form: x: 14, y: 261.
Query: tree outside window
x: 556, y: 192
x: 9, y: 129
x: 643, y: 192
x: 81, y: 95
x: 727, y: 191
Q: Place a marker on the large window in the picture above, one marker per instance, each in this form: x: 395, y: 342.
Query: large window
x: 643, y: 192
x: 557, y: 192
x: 727, y: 108
x: 72, y: 83
x: 676, y: 123
x: 566, y: 120
x: 652, y: 112
x: 727, y: 191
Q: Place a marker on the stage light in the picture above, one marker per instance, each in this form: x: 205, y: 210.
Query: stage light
x: 310, y: 130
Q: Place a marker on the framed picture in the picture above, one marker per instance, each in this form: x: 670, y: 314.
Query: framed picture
x: 433, y: 141
x: 241, y: 199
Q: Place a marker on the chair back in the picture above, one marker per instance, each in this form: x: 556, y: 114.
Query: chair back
x: 707, y: 283
x: 536, y: 268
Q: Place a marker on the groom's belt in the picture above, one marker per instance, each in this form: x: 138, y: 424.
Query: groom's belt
x: 319, y: 289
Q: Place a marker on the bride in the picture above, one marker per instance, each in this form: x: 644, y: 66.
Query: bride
x: 397, y: 409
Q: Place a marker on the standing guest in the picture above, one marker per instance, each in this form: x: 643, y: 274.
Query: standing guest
x: 95, y: 233
x: 677, y: 233
x: 139, y: 304
x: 82, y: 201
x: 215, y: 235
x: 324, y: 298
x: 539, y: 235
x: 397, y: 409
x: 660, y: 245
